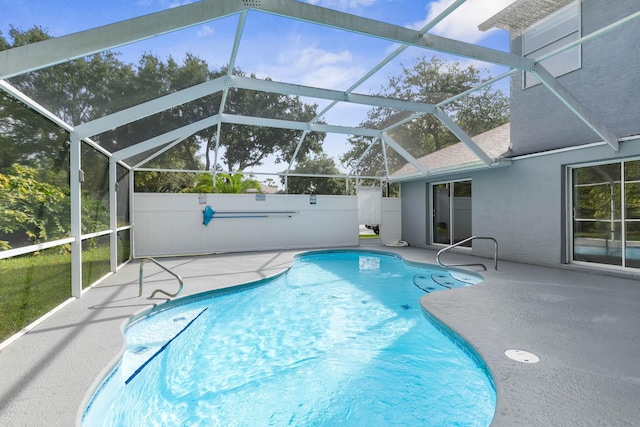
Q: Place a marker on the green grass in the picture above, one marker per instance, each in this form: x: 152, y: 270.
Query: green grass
x: 369, y: 236
x: 32, y: 285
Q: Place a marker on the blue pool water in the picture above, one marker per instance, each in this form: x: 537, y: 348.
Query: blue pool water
x: 340, y: 339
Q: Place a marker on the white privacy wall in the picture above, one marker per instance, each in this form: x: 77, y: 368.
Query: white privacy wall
x: 369, y: 205
x: 391, y: 224
x: 172, y: 224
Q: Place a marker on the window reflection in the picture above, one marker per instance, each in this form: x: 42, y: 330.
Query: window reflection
x: 606, y: 214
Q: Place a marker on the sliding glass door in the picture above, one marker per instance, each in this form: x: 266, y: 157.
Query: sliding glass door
x: 606, y: 214
x: 451, y: 203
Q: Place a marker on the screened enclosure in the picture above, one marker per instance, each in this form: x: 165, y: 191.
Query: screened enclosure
x: 277, y: 96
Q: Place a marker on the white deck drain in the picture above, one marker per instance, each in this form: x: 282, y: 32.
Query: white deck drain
x: 522, y: 356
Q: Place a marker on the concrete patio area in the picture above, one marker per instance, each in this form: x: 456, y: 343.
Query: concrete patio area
x: 584, y: 327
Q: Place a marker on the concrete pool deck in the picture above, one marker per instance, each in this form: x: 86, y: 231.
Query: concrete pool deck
x: 584, y: 327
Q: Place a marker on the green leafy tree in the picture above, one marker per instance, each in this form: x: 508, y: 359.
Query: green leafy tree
x: 162, y: 182
x: 248, y: 146
x: 203, y: 183
x: 235, y: 183
x: 429, y: 81
x: 31, y: 211
x: 25, y: 136
x: 320, y: 165
x: 76, y: 91
x: 84, y: 89
x: 153, y: 78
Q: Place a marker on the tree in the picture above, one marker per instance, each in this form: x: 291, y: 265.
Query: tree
x: 84, y: 89
x: 428, y: 81
x: 248, y: 146
x: 153, y: 78
x: 76, y: 91
x: 26, y: 137
x: 235, y: 183
x: 319, y: 165
x: 29, y: 139
x: 31, y: 211
x: 162, y: 182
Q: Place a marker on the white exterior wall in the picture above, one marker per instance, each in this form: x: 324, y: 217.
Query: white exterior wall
x: 172, y: 224
x: 391, y: 224
x: 524, y: 206
x: 521, y: 206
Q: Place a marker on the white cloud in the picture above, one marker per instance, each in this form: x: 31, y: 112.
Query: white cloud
x: 312, y: 57
x: 312, y: 66
x: 463, y: 23
x: 342, y: 4
x: 205, y: 31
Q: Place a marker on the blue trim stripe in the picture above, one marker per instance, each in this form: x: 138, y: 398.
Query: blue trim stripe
x: 163, y: 348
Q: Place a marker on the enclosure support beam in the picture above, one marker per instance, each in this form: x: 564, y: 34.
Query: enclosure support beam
x: 149, y: 108
x: 463, y: 137
x: 57, y: 50
x: 363, y: 155
x: 159, y: 152
x: 390, y: 58
x: 290, y: 124
x: 297, y: 150
x: 357, y: 24
x: 113, y: 215
x: 575, y: 106
x: 163, y: 103
x: 166, y: 138
x: 132, y: 217
x: 328, y: 94
x: 404, y: 153
x: 366, y: 151
x: 75, y: 176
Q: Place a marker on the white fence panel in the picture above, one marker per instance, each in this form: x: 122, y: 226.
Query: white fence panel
x: 391, y: 226
x: 172, y: 224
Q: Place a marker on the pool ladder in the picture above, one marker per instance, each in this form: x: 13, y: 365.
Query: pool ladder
x: 159, y: 291
x: 468, y: 239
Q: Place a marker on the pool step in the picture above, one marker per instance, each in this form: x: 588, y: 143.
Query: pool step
x: 143, y: 349
x: 437, y: 282
x: 427, y: 284
x: 445, y: 280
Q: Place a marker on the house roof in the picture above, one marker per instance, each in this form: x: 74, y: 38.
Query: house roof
x: 495, y: 142
x: 522, y: 14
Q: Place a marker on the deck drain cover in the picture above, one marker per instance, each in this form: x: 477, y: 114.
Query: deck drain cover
x: 522, y: 356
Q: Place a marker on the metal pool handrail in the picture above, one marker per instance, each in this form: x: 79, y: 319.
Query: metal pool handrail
x: 141, y: 275
x: 495, y: 252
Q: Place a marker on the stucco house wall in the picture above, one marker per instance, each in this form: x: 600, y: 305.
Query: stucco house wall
x: 606, y: 84
x: 525, y: 205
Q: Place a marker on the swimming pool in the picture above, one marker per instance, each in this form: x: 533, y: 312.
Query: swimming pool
x: 339, y: 339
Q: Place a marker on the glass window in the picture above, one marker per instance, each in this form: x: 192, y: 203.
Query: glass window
x: 606, y: 214
x: 451, y: 212
x: 632, y: 213
x: 550, y: 34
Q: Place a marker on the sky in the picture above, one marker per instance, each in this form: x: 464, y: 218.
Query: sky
x: 275, y: 47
